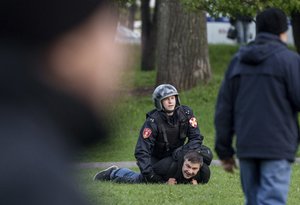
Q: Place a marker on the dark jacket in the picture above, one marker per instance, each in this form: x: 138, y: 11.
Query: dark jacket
x: 259, y: 101
x: 152, y: 146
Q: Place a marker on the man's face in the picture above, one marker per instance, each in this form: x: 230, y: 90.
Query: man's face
x: 169, y: 103
x: 189, y: 169
x: 87, y: 61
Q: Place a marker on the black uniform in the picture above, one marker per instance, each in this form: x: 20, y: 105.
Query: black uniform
x: 162, y: 134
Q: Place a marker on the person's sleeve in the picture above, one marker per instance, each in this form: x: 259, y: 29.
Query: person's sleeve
x: 195, y: 138
x: 144, y: 147
x: 293, y: 83
x: 204, y: 174
x: 224, y: 122
x: 164, y: 167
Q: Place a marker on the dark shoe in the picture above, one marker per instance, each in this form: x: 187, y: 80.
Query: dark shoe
x: 104, y: 175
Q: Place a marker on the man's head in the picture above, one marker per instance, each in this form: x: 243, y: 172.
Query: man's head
x: 165, y: 97
x: 40, y: 22
x: 192, y: 164
x: 73, y: 41
x: 271, y: 20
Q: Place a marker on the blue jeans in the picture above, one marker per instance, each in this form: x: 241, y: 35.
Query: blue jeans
x: 124, y: 175
x: 242, y: 31
x: 265, y: 182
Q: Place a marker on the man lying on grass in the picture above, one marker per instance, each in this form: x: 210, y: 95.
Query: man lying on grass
x: 187, y: 169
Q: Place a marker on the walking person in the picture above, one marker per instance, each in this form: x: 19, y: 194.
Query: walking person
x: 242, y: 24
x: 259, y: 102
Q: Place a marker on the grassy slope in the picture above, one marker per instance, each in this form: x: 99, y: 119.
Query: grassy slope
x: 223, y: 189
x: 130, y: 113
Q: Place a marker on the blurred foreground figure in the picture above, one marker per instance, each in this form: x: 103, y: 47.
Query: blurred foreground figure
x: 58, y: 63
x: 259, y: 102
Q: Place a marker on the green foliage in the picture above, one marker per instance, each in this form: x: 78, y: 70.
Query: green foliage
x: 222, y: 189
x: 233, y: 7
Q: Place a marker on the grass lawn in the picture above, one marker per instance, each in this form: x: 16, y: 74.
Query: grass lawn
x: 128, y: 117
x: 222, y: 189
x: 130, y: 113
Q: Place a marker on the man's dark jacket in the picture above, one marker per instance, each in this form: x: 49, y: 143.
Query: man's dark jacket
x: 259, y: 102
x: 39, y: 128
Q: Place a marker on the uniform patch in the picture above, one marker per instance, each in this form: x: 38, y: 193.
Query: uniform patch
x: 193, y: 122
x: 146, y: 133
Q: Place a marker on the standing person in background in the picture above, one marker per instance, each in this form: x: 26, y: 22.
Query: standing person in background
x: 58, y: 62
x: 259, y: 102
x: 241, y: 23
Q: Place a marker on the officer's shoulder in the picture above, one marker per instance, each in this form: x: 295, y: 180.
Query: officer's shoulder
x: 150, y: 116
x: 186, y: 110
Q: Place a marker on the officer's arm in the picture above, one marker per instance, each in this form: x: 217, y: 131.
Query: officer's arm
x: 144, y: 147
x: 143, y: 152
x: 193, y: 131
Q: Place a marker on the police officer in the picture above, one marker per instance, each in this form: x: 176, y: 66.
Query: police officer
x: 166, y: 128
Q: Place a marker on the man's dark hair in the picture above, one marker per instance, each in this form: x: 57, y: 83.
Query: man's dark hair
x: 271, y: 20
x: 194, y: 157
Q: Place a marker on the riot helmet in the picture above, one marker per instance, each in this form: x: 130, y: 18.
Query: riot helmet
x: 163, y: 91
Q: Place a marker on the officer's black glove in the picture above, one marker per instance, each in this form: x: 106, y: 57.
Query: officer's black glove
x: 153, y: 178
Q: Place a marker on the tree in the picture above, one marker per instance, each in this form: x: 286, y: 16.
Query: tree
x: 149, y: 35
x: 182, y: 46
x: 232, y: 7
x: 131, y: 16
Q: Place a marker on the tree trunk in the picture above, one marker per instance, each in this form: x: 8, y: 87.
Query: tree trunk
x: 296, y: 29
x: 148, y: 35
x: 183, y: 58
x: 131, y: 15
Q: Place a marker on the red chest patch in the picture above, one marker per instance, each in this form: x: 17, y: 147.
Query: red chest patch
x: 193, y: 122
x: 146, y: 133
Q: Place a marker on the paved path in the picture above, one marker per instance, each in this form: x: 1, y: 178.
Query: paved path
x: 130, y: 164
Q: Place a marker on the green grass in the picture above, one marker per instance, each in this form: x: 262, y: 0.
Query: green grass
x: 128, y: 117
x: 222, y: 189
x: 130, y: 113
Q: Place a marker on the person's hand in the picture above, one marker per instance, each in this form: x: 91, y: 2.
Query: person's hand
x: 194, y: 182
x: 229, y: 165
x: 172, y: 181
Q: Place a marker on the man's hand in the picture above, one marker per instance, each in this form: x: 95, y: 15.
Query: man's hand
x: 229, y: 165
x: 194, y: 182
x: 171, y: 181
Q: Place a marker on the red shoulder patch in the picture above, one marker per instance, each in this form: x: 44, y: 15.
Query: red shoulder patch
x: 146, y: 133
x: 193, y: 122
